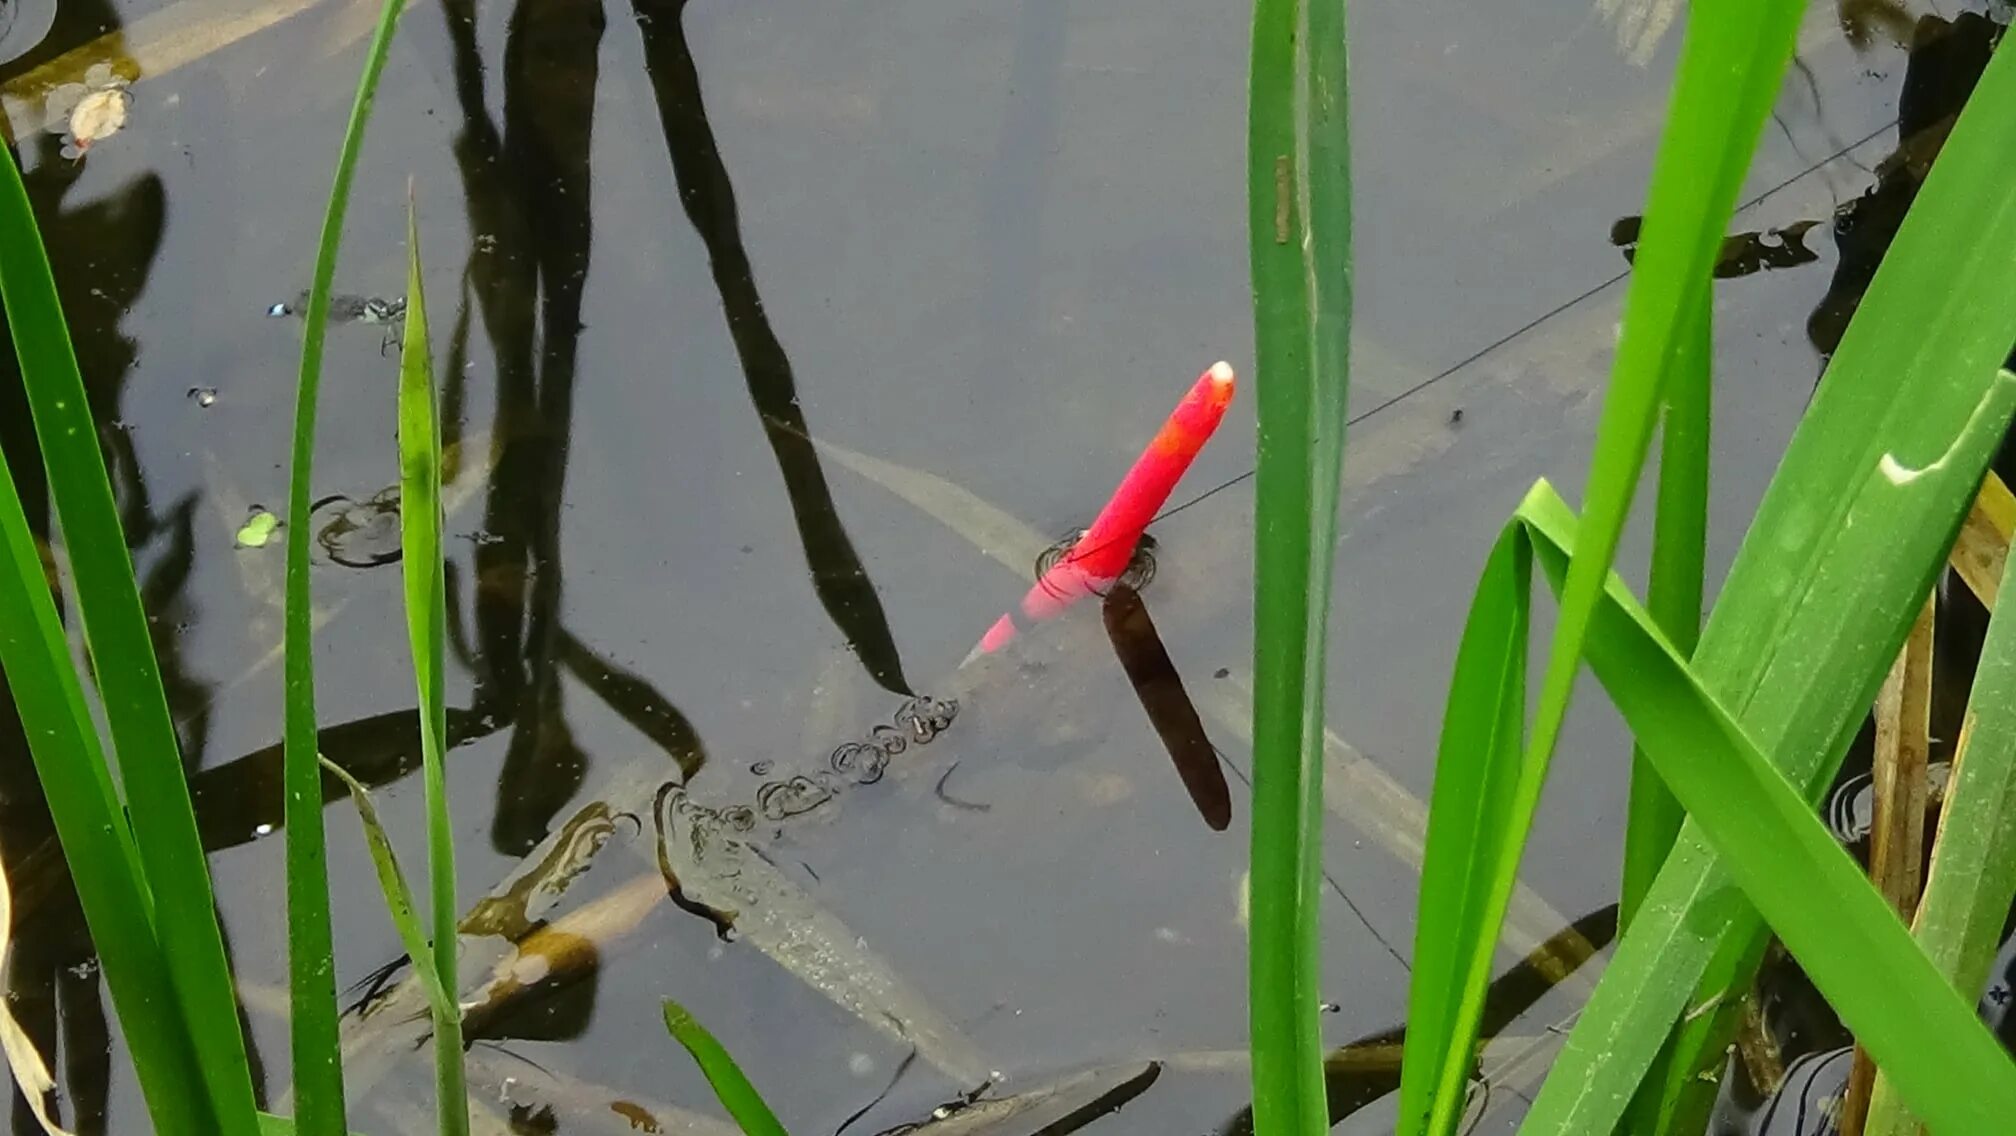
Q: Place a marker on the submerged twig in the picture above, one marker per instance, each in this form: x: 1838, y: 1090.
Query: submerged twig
x: 1897, y: 840
x: 1982, y: 547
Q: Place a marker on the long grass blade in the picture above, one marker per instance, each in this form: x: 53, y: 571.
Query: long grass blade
x: 116, y: 629
x: 318, y: 1070
x: 97, y: 845
x: 272, y: 1125
x: 1679, y: 554
x: 174, y: 888
x: 1735, y: 53
x: 427, y: 631
x: 1973, y: 874
x: 1845, y: 935
x: 1477, y: 765
x: 1299, y: 226
x: 733, y: 1089
x: 1838, y: 560
x: 31, y: 1073
x: 399, y: 904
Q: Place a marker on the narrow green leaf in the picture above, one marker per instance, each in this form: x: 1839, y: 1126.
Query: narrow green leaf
x: 733, y: 1089
x: 426, y: 629
x: 97, y: 846
x: 318, y: 1068
x: 1846, y: 937
x: 1299, y: 226
x: 1735, y: 53
x: 1679, y: 554
x: 121, y: 647
x: 1837, y: 563
x: 400, y: 906
x: 1973, y: 876
x: 271, y: 1125
x: 1476, y: 766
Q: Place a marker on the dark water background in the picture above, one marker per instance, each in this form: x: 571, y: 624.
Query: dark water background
x: 987, y: 241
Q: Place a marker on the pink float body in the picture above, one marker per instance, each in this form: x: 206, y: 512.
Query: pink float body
x: 1103, y: 553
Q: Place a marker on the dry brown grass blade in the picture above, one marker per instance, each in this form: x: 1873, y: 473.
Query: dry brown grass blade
x: 1897, y: 838
x: 1982, y: 547
x: 31, y: 1073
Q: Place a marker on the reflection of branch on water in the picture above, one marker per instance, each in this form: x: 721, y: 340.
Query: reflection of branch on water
x: 637, y: 702
x: 527, y: 280
x: 708, y: 195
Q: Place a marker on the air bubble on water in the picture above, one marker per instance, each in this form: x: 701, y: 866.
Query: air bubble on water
x: 204, y: 396
x: 760, y: 768
x: 262, y: 829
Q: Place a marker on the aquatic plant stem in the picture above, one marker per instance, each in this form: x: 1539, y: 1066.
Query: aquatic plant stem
x: 169, y: 851
x: 318, y: 1070
x: 1298, y: 233
x: 425, y: 580
x: 1679, y: 554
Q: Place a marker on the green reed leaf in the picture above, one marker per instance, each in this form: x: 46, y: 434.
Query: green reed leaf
x: 1735, y: 53
x: 1837, y: 563
x: 1845, y: 935
x: 1299, y: 230
x: 427, y: 632
x: 318, y: 1068
x: 730, y: 1086
x: 1973, y: 874
x: 163, y: 869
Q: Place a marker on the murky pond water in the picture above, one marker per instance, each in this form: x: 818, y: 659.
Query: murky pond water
x: 778, y: 339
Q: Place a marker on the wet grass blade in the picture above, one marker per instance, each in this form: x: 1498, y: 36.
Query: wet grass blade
x: 163, y: 869
x: 427, y: 630
x: 399, y: 904
x: 1478, y: 763
x: 1679, y: 552
x: 1845, y: 935
x: 1730, y: 68
x: 271, y: 1125
x: 1299, y: 230
x: 1843, y: 549
x: 318, y: 1068
x: 97, y: 846
x: 736, y: 1094
x: 1973, y: 875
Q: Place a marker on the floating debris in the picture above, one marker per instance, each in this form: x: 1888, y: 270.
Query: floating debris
x: 1640, y: 25
x: 87, y: 112
x: 204, y: 396
x: 359, y: 534
x: 1741, y: 254
x: 258, y: 528
x: 346, y: 307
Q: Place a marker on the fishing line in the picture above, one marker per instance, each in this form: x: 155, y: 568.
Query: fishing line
x: 1327, y: 878
x: 1551, y: 313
